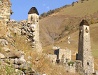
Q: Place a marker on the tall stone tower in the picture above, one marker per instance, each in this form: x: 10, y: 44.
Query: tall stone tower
x: 84, y: 48
x: 33, y: 21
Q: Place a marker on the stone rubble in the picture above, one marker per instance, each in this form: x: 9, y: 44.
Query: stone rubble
x: 3, y: 42
x: 17, y: 60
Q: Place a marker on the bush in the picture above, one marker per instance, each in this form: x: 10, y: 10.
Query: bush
x: 73, y: 3
x: 71, y: 62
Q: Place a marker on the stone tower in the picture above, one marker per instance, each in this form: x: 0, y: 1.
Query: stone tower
x: 84, y: 48
x: 33, y: 21
x: 5, y: 10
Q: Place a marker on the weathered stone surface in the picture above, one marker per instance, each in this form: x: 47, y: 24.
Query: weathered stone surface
x: 14, y: 54
x: 44, y: 74
x: 96, y: 72
x: 52, y: 58
x: 71, y: 68
x: 5, y: 12
x: 6, y: 49
x: 55, y: 47
x: 3, y: 42
x: 19, y: 72
x: 24, y: 66
x: 20, y: 60
x: 12, y: 61
x: 23, y: 32
x: 33, y: 24
x: 84, y: 51
x: 16, y: 30
x: 2, y: 56
x: 16, y: 66
x: 64, y: 55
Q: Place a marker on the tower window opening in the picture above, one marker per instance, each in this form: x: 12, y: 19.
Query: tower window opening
x: 86, y: 30
x: 37, y: 20
x: 31, y: 18
x: 88, y: 63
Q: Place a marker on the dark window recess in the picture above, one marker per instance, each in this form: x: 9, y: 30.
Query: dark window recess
x: 88, y: 63
x: 37, y: 20
x: 86, y: 30
x: 31, y: 18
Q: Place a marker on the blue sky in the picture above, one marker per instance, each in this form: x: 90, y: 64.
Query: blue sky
x: 21, y: 7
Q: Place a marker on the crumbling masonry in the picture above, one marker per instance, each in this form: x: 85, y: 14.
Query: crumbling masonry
x: 5, y: 10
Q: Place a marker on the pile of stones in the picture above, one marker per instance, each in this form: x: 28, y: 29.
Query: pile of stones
x: 28, y: 30
x: 17, y: 60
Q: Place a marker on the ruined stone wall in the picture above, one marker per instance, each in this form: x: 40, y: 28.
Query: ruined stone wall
x: 64, y: 55
x: 5, y: 10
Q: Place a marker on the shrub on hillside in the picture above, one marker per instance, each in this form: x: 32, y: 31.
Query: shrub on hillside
x: 82, y: 1
x: 45, y: 14
x: 73, y: 3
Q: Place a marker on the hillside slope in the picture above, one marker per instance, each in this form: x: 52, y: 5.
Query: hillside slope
x: 67, y: 20
x: 79, y: 9
x: 57, y: 27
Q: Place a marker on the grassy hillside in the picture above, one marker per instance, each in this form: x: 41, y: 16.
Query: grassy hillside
x: 73, y: 46
x: 57, y: 27
x: 67, y: 20
x: 81, y: 9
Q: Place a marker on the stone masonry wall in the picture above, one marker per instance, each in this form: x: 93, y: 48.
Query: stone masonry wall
x: 5, y: 10
x: 84, y: 50
x: 64, y: 55
x: 88, y: 61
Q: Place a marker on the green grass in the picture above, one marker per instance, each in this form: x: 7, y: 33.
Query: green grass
x: 7, y: 70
